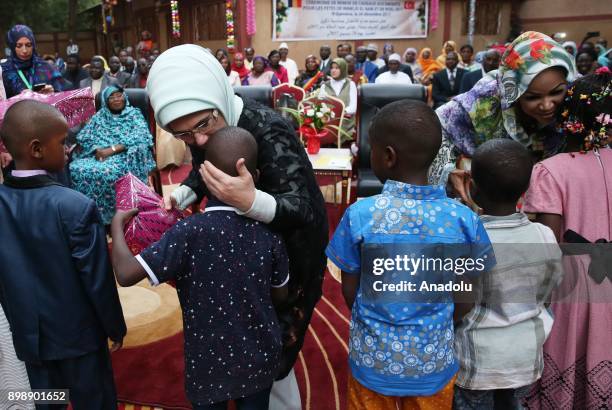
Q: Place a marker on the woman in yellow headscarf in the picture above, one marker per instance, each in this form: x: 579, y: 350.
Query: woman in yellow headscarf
x: 447, y: 48
x: 429, y: 66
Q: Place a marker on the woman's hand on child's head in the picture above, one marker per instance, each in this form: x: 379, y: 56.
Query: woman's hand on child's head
x: 237, y: 191
x: 122, y: 217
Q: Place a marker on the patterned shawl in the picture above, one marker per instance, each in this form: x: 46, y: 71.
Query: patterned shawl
x: 487, y: 111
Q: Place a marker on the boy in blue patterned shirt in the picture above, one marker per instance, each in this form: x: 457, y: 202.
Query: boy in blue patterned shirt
x: 401, y: 335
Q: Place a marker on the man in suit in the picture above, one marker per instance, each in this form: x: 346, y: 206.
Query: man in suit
x: 325, y: 54
x: 98, y: 80
x: 122, y: 77
x: 446, y: 83
x: 490, y: 63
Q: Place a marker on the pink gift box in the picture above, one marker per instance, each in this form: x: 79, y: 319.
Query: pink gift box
x: 77, y: 106
x: 152, y: 220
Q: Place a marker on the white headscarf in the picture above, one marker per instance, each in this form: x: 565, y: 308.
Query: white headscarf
x: 186, y: 79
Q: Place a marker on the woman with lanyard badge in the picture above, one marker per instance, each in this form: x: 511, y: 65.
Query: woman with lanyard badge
x: 25, y: 69
x: 192, y: 99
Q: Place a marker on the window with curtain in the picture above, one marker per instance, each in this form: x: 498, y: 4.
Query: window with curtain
x: 488, y: 17
x: 209, y: 20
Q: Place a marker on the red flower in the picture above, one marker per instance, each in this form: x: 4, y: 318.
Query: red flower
x: 513, y: 59
x: 539, y: 49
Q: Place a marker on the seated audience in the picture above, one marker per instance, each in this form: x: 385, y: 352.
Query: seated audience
x: 261, y: 74
x: 394, y: 76
x: 372, y: 50
x: 489, y: 63
x: 429, y: 65
x: 239, y: 67
x: 449, y: 46
x: 281, y: 72
x: 139, y: 79
x: 341, y: 87
x: 467, y: 59
x: 586, y: 61
x: 312, y: 78
x: 115, y: 72
x: 446, y: 83
x: 325, y: 54
x: 571, y: 48
x: 369, y: 69
x: 355, y: 75
x: 74, y: 73
x: 114, y: 142
x: 410, y: 59
x: 130, y: 66
x: 288, y: 63
x: 234, y: 77
x: 98, y: 79
x: 249, y: 55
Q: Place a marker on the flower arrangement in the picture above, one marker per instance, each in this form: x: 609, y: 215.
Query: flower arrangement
x: 176, y: 21
x: 314, y: 121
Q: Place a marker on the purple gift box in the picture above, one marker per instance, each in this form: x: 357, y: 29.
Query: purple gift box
x: 152, y: 220
x: 77, y: 106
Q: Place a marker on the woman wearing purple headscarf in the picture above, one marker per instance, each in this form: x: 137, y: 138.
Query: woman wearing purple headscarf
x: 261, y: 74
x: 24, y: 69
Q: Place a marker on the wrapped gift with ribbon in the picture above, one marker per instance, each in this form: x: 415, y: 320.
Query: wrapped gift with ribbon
x: 77, y: 106
x: 152, y: 220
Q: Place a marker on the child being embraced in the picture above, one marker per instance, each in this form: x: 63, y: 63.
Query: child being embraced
x: 229, y: 272
x: 401, y: 343
x: 499, y: 343
x: 56, y: 284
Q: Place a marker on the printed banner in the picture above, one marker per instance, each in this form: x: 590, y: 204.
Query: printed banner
x: 349, y: 19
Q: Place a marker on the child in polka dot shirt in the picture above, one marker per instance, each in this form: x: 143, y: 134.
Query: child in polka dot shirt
x: 230, y: 272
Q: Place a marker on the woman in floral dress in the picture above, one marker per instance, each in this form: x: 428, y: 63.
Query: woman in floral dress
x: 521, y: 103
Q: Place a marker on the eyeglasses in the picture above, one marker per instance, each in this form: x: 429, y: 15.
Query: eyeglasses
x: 200, y: 128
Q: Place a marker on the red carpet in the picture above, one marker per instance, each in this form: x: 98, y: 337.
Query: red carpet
x: 151, y: 375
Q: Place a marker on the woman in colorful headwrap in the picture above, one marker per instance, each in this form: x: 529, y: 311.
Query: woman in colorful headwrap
x: 447, y: 48
x: 340, y: 86
x: 571, y: 193
x: 192, y: 99
x: 261, y: 74
x: 114, y: 142
x: 239, y: 67
x: 429, y: 66
x: 24, y: 68
x: 312, y: 78
x: 521, y: 104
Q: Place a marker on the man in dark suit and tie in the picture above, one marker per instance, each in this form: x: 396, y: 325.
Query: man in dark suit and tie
x: 325, y: 54
x: 445, y: 84
x: 490, y: 63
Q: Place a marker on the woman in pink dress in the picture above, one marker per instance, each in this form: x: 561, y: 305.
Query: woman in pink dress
x: 572, y: 191
x: 261, y: 74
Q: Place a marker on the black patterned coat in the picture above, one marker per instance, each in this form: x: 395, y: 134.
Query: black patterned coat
x: 301, y: 219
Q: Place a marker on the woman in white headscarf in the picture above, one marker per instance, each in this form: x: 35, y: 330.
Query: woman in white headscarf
x: 192, y: 99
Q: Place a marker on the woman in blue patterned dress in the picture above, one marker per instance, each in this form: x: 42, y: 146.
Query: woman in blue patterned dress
x: 116, y: 141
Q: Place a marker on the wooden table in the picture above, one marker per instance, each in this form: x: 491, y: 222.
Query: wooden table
x: 332, y: 165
